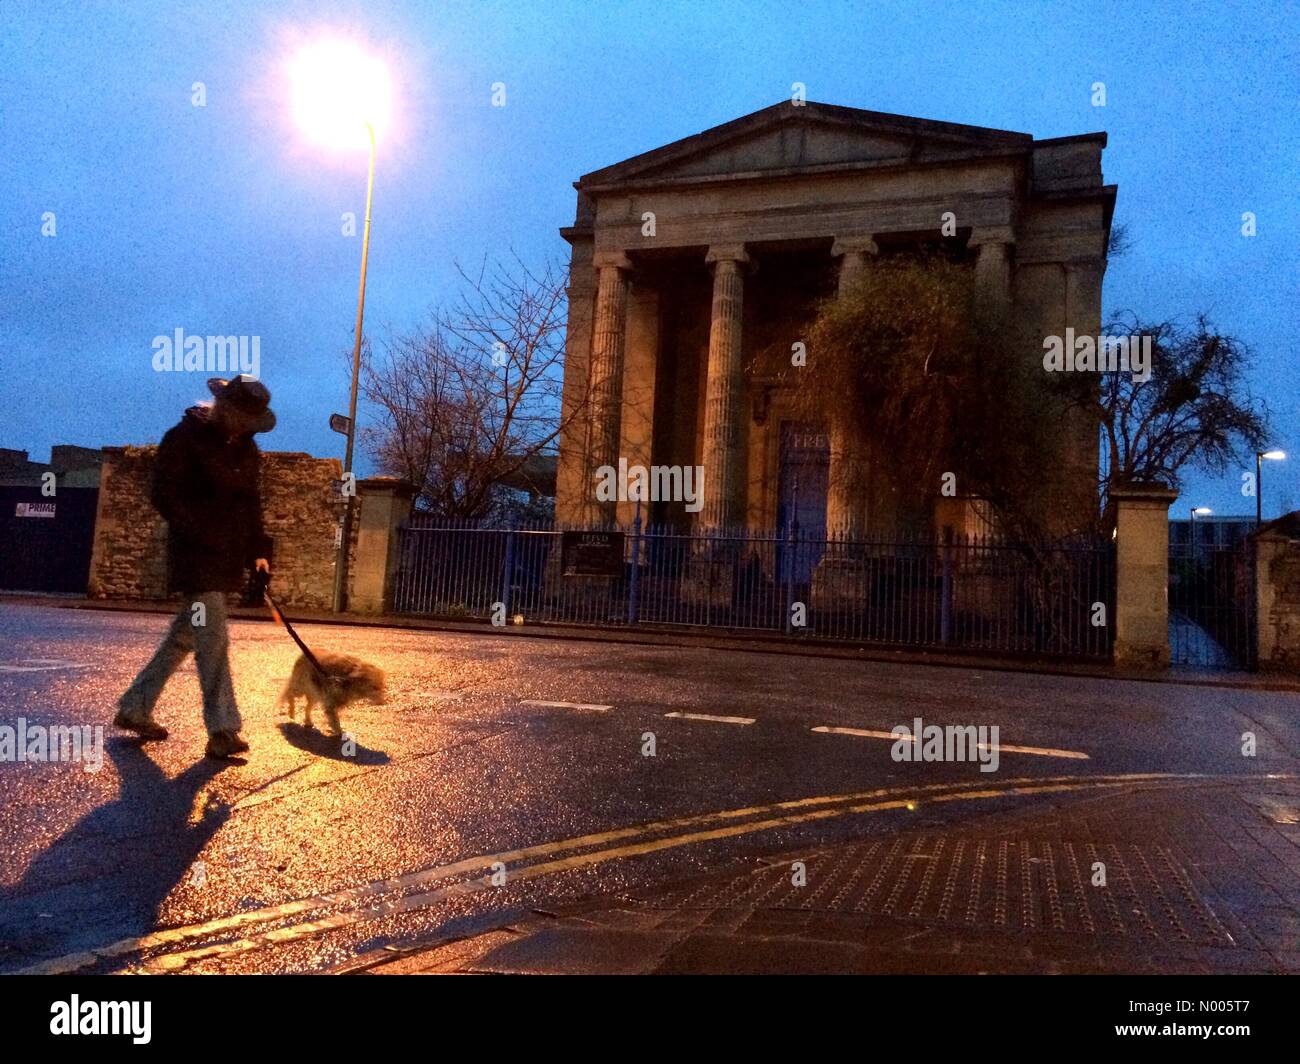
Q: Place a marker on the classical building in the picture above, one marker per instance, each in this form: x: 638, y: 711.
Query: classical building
x: 686, y: 257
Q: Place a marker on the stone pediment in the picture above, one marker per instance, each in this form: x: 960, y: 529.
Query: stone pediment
x: 785, y: 138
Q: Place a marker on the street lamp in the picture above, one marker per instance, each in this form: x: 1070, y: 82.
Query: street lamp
x: 340, y: 96
x: 1272, y: 456
x: 1201, y: 511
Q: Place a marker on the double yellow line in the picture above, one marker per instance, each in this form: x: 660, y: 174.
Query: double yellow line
x: 366, y: 902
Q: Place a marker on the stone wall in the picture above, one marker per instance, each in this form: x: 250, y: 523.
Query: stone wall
x: 129, y: 559
x: 299, y: 513
x: 1277, y: 594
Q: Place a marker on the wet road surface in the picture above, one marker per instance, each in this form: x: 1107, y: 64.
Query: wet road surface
x: 506, y: 776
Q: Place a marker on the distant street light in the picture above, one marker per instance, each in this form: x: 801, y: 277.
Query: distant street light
x: 341, y: 96
x: 1197, y: 511
x: 1272, y: 456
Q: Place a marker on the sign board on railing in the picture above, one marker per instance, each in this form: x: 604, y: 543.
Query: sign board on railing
x: 591, y: 553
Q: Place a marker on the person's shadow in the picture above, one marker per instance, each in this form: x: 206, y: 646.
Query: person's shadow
x: 105, y: 878
x: 319, y: 744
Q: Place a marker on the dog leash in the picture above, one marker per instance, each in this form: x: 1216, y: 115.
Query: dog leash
x: 306, y: 652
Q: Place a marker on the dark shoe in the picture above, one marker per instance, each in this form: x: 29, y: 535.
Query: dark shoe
x: 142, y: 726
x: 225, y: 744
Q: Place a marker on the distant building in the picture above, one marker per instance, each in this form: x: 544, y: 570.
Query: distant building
x: 1211, y: 531
x: 46, y: 530
x: 72, y: 466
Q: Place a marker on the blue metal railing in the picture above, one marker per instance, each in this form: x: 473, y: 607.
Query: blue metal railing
x: 960, y: 592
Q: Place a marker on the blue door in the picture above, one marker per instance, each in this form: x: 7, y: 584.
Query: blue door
x: 805, y: 462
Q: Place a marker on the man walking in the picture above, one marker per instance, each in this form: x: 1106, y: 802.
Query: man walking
x: 206, y: 488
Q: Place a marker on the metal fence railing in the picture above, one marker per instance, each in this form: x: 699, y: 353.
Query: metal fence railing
x: 979, y: 593
x: 1212, y: 610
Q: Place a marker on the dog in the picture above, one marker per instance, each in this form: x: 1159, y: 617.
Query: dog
x: 346, y: 680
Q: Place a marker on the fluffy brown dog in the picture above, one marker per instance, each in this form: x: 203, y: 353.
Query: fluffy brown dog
x: 347, y: 680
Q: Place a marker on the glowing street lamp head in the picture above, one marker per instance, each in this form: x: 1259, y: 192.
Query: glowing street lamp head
x: 337, y: 91
x: 1202, y: 511
x: 1274, y: 456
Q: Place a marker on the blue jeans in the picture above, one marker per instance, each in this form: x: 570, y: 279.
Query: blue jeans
x: 210, y: 642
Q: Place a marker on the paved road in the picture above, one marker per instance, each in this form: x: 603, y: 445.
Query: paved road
x: 508, y: 777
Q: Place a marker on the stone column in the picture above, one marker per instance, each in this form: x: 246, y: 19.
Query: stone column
x: 640, y: 372
x: 385, y: 507
x: 849, y: 480
x: 841, y: 579
x: 1077, y: 484
x: 993, y: 273
x: 724, y: 391
x: 851, y: 460
x: 993, y: 315
x: 1142, y: 575
x: 853, y: 253
x: 572, y: 484
x: 608, y: 338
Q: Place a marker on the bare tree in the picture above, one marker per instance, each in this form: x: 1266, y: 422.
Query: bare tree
x: 474, y: 398
x: 1119, y: 242
x: 1194, y: 409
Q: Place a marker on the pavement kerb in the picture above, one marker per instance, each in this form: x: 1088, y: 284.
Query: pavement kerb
x: 741, y: 643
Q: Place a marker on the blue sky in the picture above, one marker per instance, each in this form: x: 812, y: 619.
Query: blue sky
x: 221, y: 220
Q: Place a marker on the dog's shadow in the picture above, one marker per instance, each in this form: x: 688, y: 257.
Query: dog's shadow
x: 311, y: 741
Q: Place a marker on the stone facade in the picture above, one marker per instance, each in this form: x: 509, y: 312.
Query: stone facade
x: 1277, y: 594
x: 682, y: 256
x: 300, y: 514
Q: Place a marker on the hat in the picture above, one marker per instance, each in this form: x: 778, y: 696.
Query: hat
x: 249, y: 396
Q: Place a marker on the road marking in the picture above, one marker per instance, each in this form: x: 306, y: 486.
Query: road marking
x: 715, y: 720
x: 1040, y: 751
x: 867, y: 733
x: 863, y: 733
x: 593, y: 706
x: 176, y: 961
x: 45, y: 665
x: 790, y: 812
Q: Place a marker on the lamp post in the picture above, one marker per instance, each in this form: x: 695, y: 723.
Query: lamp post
x: 1203, y: 511
x: 1272, y: 456
x: 338, y: 92
x: 345, y: 537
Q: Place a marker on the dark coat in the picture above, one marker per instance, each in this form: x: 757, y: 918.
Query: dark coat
x: 206, y: 488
